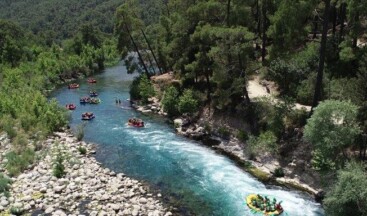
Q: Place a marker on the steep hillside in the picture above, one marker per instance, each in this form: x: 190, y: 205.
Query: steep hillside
x: 60, y: 19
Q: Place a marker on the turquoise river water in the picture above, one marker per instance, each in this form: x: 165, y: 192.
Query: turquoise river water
x: 200, y: 181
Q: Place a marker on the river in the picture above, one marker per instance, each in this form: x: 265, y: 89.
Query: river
x: 199, y: 180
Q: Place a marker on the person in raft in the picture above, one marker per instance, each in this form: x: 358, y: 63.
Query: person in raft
x: 136, y: 122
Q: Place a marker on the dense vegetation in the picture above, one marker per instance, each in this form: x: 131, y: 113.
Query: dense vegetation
x: 54, y: 21
x: 59, y: 20
x: 313, y: 50
x: 28, y: 71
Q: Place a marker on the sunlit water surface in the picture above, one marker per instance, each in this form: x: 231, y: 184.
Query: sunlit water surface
x: 202, y: 182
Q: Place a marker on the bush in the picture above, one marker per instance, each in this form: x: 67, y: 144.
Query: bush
x: 265, y: 142
x: 306, y: 90
x: 4, y: 184
x: 7, y: 124
x: 146, y: 89
x: 169, y: 101
x: 348, y: 195
x: 224, y: 132
x: 297, y: 118
x: 80, y: 132
x: 242, y: 135
x: 134, y: 89
x: 279, y: 172
x: 82, y: 150
x: 207, y: 127
x: 59, y: 168
x: 16, y: 211
x: 17, y: 162
x: 187, y: 103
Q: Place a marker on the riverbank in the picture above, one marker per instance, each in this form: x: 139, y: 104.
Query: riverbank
x: 298, y: 174
x: 86, y: 187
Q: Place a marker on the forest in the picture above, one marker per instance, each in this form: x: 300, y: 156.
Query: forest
x: 314, y: 51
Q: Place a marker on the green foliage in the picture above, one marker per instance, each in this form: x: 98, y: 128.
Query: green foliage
x: 273, y: 117
x: 146, y: 89
x: 265, y: 142
x: 80, y: 132
x: 169, y: 101
x: 287, y: 28
x: 332, y: 128
x: 7, y: 124
x: 82, y: 150
x: 279, y: 172
x: 4, y: 184
x: 58, y: 167
x: 19, y: 161
x: 306, y: 90
x: 187, y: 103
x: 289, y: 74
x: 16, y: 211
x: 348, y: 196
x: 224, y: 132
x: 134, y: 89
x: 53, y: 20
x: 296, y: 118
x: 12, y: 43
x: 242, y: 135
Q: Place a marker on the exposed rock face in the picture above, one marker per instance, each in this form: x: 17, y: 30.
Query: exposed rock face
x: 86, y: 183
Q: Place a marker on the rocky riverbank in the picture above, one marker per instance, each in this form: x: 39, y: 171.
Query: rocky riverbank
x: 263, y: 168
x: 86, y: 188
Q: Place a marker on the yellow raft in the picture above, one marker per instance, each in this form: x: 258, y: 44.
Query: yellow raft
x: 252, y: 197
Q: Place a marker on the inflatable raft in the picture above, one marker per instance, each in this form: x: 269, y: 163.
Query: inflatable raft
x: 70, y: 106
x: 264, y: 205
x: 73, y: 86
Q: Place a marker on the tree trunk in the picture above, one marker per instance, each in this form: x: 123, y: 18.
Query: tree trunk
x: 315, y: 26
x: 137, y: 50
x: 243, y: 74
x: 228, y: 13
x: 264, y: 27
x: 208, y: 85
x: 343, y: 12
x: 320, y: 72
x: 150, y: 62
x: 355, y: 36
x: 334, y: 15
x: 151, y: 50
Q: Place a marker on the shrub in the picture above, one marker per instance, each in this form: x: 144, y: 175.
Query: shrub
x: 207, y: 127
x: 265, y: 142
x: 306, y: 90
x: 146, y: 89
x: 16, y: 211
x: 4, y: 184
x: 7, y: 124
x: 242, y: 135
x: 279, y: 172
x: 296, y: 118
x: 169, y: 101
x: 82, y: 150
x: 187, y: 103
x: 348, y: 195
x: 80, y: 132
x: 224, y: 132
x: 17, y: 162
x: 134, y: 89
x: 59, y: 168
